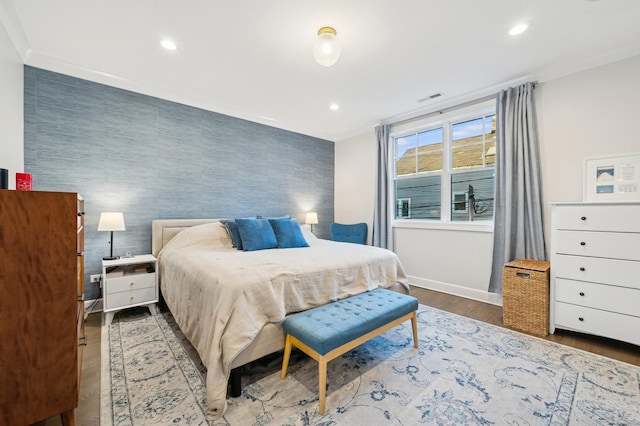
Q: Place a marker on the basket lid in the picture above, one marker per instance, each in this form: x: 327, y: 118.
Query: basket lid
x: 535, y: 265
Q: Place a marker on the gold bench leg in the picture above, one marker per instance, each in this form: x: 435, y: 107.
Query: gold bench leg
x: 414, y: 326
x: 322, y: 382
x: 285, y: 360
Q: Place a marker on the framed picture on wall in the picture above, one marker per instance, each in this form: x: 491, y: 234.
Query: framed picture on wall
x: 612, y: 178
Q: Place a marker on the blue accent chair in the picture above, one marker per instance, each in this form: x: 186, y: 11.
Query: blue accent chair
x: 349, y: 233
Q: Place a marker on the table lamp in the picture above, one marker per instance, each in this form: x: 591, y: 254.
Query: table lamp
x: 111, y: 221
x: 311, y: 219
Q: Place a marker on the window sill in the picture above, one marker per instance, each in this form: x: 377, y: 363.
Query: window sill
x: 479, y: 226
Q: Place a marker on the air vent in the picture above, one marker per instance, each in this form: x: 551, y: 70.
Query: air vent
x: 428, y: 98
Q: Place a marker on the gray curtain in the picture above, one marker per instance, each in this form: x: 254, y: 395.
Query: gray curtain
x: 518, y: 229
x: 381, y: 213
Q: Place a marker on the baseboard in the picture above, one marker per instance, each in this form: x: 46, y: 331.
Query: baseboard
x: 93, y: 306
x: 456, y: 290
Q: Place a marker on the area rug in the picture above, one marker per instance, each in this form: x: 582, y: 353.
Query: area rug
x: 147, y: 377
x: 465, y: 372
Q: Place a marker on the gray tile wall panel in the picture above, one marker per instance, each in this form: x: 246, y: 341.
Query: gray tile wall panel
x: 155, y: 159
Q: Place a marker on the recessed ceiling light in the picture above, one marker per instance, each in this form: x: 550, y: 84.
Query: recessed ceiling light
x: 518, y: 29
x: 168, y: 44
x: 334, y: 107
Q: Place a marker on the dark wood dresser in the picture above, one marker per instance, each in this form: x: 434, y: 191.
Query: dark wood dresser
x: 41, y: 305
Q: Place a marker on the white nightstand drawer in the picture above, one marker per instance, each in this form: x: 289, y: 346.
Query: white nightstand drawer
x: 622, y: 273
x: 130, y: 282
x: 598, y: 296
x: 613, y: 245
x: 598, y: 217
x: 594, y: 321
x: 130, y: 298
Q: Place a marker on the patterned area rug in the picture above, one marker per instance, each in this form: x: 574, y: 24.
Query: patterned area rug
x: 464, y: 373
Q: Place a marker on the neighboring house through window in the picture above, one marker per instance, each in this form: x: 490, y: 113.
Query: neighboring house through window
x: 444, y: 166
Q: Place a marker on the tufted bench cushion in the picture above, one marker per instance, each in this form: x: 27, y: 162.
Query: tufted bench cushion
x: 327, y: 327
x: 326, y: 332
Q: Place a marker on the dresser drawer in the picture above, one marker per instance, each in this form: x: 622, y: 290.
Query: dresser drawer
x: 82, y: 339
x: 130, y: 282
x: 594, y: 321
x: 131, y: 298
x: 599, y: 296
x: 589, y: 217
x: 80, y: 278
x: 614, y: 245
x: 624, y: 273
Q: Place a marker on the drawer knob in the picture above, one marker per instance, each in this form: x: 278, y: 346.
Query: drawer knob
x: 582, y: 268
x: 581, y: 293
x: 132, y: 282
x: 582, y: 243
x: 131, y: 297
x: 580, y: 319
x: 583, y: 218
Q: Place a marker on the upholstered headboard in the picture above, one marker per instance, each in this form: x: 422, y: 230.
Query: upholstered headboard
x: 163, y: 230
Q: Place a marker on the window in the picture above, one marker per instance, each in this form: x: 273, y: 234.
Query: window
x: 460, y: 200
x: 404, y: 208
x: 449, y: 163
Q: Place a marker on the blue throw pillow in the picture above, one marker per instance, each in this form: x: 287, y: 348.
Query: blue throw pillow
x: 287, y: 216
x: 256, y: 234
x: 232, y: 227
x: 288, y: 233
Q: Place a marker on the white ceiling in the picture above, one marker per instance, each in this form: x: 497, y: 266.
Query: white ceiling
x: 252, y: 59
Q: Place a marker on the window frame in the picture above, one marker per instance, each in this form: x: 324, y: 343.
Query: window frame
x: 430, y: 122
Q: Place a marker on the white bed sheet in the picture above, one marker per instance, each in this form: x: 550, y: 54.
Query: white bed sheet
x: 222, y: 297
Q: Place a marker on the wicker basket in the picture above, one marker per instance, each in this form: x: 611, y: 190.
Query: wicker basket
x: 525, y: 296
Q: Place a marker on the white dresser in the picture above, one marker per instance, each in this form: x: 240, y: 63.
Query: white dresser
x: 595, y: 269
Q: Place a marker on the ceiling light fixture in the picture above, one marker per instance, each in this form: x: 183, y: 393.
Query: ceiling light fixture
x: 334, y: 107
x: 327, y: 49
x: 168, y: 44
x: 518, y: 29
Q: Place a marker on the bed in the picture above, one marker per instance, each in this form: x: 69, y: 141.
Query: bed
x: 230, y: 304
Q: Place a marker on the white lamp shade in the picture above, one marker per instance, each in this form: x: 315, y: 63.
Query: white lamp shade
x: 111, y: 221
x: 327, y: 49
x: 312, y: 218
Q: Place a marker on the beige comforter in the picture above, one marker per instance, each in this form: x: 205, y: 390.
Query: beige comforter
x: 221, y: 297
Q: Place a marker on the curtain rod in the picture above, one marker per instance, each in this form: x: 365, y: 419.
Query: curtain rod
x: 447, y: 109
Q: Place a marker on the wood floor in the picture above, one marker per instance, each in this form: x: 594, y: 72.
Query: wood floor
x: 88, y: 411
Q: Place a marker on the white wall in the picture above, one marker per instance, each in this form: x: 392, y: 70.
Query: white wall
x: 591, y: 113
x: 11, y: 108
x: 452, y: 261
x: 355, y: 170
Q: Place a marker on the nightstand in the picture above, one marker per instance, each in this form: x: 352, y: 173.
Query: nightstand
x: 129, y: 282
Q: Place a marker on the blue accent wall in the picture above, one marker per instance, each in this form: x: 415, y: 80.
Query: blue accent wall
x: 155, y: 159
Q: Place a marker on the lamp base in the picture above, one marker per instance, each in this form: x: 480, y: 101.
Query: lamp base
x: 111, y: 258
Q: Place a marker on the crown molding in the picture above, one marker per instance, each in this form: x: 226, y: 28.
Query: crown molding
x: 13, y: 26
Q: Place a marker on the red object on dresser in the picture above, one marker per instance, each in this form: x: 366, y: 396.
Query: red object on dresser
x: 23, y: 181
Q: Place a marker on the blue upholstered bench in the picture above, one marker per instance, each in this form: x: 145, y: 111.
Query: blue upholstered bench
x: 326, y: 332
